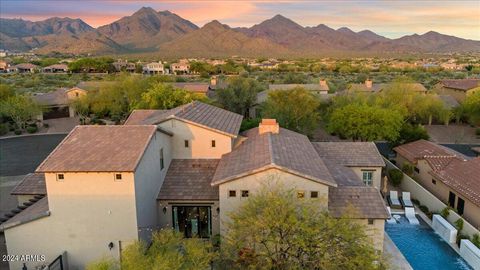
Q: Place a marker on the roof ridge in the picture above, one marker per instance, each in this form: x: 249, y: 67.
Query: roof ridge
x: 270, y: 148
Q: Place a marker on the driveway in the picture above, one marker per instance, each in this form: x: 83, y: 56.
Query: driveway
x: 21, y: 155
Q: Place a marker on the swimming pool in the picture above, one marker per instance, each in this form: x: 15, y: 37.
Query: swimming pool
x: 423, y: 248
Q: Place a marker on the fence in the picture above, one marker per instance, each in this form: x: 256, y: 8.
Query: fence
x: 429, y: 200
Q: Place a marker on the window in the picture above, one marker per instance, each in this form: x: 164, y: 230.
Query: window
x: 300, y: 194
x: 313, y: 194
x: 370, y: 221
x: 416, y: 169
x: 76, y: 94
x: 434, y: 181
x: 60, y: 177
x: 118, y: 176
x: 232, y: 193
x: 162, y: 164
x: 186, y: 143
x: 244, y: 193
x: 367, y: 177
x: 213, y: 143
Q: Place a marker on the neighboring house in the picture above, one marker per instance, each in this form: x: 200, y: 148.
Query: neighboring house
x: 450, y: 176
x: 57, y: 104
x: 124, y: 65
x: 449, y: 101
x: 370, y: 87
x: 57, y: 68
x: 4, y: 67
x: 182, y: 67
x: 26, y: 68
x: 194, y: 87
x: 154, y: 68
x: 459, y: 89
x: 185, y: 169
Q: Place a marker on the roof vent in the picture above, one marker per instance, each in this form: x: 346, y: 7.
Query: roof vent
x: 268, y: 125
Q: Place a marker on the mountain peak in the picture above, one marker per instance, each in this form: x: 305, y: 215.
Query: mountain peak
x: 145, y: 10
x: 215, y: 25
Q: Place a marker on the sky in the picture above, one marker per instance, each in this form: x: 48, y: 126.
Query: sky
x: 390, y: 18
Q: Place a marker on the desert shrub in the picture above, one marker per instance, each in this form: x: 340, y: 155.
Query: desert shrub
x: 249, y: 123
x: 476, y: 240
x: 32, y: 129
x: 445, y: 212
x: 408, y: 169
x: 395, y: 176
x: 17, y: 131
x: 459, y: 224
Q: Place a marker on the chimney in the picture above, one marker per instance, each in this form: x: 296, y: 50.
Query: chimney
x: 323, y: 83
x: 368, y: 83
x: 213, y: 81
x: 268, y: 125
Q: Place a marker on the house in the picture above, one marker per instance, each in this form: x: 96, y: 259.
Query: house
x: 194, y: 87
x: 57, y: 68
x: 185, y: 169
x: 26, y: 68
x: 181, y: 67
x: 124, y: 65
x: 57, y: 104
x: 154, y: 68
x: 4, y: 67
x: 370, y: 87
x: 459, y: 89
x: 449, y: 175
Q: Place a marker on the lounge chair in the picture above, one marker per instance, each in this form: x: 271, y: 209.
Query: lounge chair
x: 394, y: 201
x: 407, y: 202
x: 391, y: 220
x: 410, y: 215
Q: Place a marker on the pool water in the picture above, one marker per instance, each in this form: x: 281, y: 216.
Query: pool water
x: 423, y: 248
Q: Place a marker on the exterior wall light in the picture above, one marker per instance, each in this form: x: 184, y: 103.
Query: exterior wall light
x: 110, y: 245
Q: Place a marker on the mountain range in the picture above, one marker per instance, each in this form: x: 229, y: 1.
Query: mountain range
x: 167, y: 34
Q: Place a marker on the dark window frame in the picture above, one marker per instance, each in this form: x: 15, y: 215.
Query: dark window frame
x: 245, y: 193
x: 186, y: 143
x: 314, y: 194
x: 232, y: 193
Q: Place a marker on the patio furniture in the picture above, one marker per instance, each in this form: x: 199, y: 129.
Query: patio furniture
x: 410, y: 215
x: 407, y: 202
x: 391, y: 220
x: 394, y: 201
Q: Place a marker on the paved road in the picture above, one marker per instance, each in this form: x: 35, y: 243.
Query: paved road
x: 22, y: 155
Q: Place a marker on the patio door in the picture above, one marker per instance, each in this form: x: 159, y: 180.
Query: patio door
x: 192, y: 221
x: 460, y: 206
x: 451, y: 199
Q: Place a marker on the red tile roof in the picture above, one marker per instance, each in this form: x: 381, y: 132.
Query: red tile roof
x: 420, y: 149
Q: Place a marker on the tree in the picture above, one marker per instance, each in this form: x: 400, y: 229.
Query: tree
x: 240, y: 95
x: 20, y: 109
x: 295, y: 109
x: 365, y: 122
x: 471, y: 108
x: 82, y: 107
x: 168, y: 251
x: 274, y: 229
x: 6, y: 91
x: 165, y: 96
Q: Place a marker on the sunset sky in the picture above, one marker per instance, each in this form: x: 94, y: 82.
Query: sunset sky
x: 391, y: 18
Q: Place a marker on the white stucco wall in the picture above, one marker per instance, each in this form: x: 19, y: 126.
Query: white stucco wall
x: 88, y: 211
x: 256, y: 182
x: 148, y: 181
x: 200, y: 141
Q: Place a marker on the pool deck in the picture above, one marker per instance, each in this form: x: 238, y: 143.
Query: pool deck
x: 394, y: 256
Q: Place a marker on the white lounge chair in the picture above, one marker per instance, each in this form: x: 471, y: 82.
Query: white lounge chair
x: 410, y: 215
x: 394, y: 199
x: 407, y: 202
x: 391, y: 220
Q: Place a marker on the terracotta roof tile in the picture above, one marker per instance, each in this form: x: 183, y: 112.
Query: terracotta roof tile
x: 420, y: 149
x: 32, y: 184
x: 189, y: 179
x: 138, y: 116
x: 99, y: 149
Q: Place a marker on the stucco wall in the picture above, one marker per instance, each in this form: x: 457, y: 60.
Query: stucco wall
x: 377, y: 174
x: 256, y: 182
x: 88, y: 211
x: 200, y: 141
x: 148, y: 181
x: 375, y: 231
x: 24, y: 198
x: 166, y: 219
x: 459, y: 95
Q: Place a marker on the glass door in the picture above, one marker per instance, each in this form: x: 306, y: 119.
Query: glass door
x: 192, y: 221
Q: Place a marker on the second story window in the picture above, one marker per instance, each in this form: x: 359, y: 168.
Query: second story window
x: 162, y: 164
x: 186, y: 143
x: 244, y: 193
x: 367, y: 177
x: 118, y: 177
x: 232, y: 193
x: 213, y: 143
x: 60, y: 177
x: 313, y: 194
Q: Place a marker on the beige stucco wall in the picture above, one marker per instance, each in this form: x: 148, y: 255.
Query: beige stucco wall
x: 166, y: 219
x: 200, y: 141
x: 459, y: 95
x: 254, y: 183
x: 72, y: 94
x: 375, y: 231
x: 24, y: 198
x: 148, y: 181
x: 88, y: 211
x: 377, y: 174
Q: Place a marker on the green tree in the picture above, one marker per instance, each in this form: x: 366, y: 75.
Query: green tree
x: 366, y: 123
x: 471, y: 108
x: 20, y: 109
x: 6, y: 91
x: 240, y: 95
x: 274, y: 229
x: 165, y: 96
x: 295, y: 109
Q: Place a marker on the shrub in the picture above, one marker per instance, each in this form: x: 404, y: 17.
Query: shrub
x: 408, y: 169
x: 476, y: 240
x: 249, y: 123
x: 445, y: 212
x: 32, y: 129
x: 459, y: 224
x: 18, y: 131
x: 395, y: 176
x: 3, y: 129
